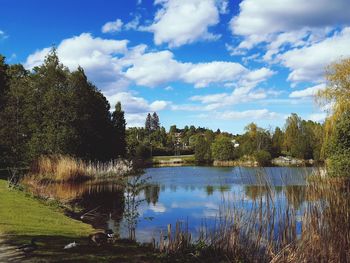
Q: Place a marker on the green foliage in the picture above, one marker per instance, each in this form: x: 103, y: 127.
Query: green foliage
x: 262, y: 157
x: 53, y: 111
x: 119, y: 125
x: 339, y: 147
x: 277, y: 142
x: 223, y: 149
x: 302, y: 139
x: 338, y: 164
x: 148, y: 123
x: 254, y: 139
x: 202, y: 150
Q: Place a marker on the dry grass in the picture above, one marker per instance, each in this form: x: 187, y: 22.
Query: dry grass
x: 59, y: 168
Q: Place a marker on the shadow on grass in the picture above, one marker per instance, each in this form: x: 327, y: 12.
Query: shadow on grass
x: 50, y: 249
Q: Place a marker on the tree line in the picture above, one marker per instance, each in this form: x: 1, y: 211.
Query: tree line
x: 51, y: 110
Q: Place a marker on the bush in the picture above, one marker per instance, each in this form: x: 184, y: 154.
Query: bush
x: 262, y: 157
x: 338, y: 165
x: 143, y: 152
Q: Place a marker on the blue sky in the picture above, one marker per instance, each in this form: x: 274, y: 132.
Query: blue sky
x: 212, y: 63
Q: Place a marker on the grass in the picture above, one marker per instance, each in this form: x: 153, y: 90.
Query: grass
x: 186, y: 159
x: 21, y: 214
x: 62, y: 168
x: 23, y: 217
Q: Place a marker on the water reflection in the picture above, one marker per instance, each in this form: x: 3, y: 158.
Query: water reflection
x: 148, y: 203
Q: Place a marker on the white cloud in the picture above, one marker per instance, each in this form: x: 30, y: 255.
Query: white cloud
x: 157, y: 208
x: 169, y: 88
x: 203, y: 74
x: 156, y: 68
x: 133, y: 104
x: 317, y: 117
x: 96, y: 55
x: 308, y: 63
x: 136, y: 108
x: 113, y: 26
x: 293, y: 22
x: 248, y: 114
x: 3, y: 35
x: 180, y: 22
x: 273, y: 16
x: 133, y: 24
x: 308, y: 92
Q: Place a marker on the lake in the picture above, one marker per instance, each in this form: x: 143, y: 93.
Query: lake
x: 196, y: 196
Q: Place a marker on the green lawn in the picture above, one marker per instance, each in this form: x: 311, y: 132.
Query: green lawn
x: 23, y: 217
x: 177, y: 158
x: 21, y: 214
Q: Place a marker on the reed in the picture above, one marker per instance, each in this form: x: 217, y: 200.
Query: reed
x: 62, y: 168
x: 268, y: 230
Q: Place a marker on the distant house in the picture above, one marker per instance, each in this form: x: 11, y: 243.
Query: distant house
x: 235, y: 143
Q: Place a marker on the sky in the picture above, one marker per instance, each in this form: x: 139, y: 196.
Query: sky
x: 209, y: 63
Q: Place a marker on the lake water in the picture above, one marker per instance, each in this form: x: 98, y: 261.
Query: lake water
x: 192, y: 195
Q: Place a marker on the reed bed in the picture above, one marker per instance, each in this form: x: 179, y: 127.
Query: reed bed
x: 270, y: 230
x: 61, y: 168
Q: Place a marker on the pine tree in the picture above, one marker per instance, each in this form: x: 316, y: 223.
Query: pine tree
x: 148, y: 123
x: 155, y: 125
x: 119, y: 125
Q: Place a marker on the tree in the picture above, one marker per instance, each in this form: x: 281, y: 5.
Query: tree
x: 202, y: 151
x: 119, y: 125
x: 293, y: 141
x: 148, y: 123
x: 277, y: 142
x: 339, y: 155
x: 223, y: 149
x: 336, y: 94
x: 155, y: 124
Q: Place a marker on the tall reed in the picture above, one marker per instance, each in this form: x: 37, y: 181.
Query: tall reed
x: 272, y: 230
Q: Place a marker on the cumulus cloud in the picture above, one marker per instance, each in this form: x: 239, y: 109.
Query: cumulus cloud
x: 96, y: 55
x: 136, y: 108
x: 308, y: 63
x: 288, y: 22
x: 180, y: 22
x: 248, y: 114
x: 133, y: 104
x: 308, y: 92
x: 156, y: 68
x: 112, y: 26
x: 317, y: 117
x: 133, y: 24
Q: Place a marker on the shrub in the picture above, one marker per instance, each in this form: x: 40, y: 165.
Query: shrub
x: 339, y: 164
x: 262, y: 157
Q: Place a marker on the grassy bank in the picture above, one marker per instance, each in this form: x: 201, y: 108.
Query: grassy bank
x: 22, y: 217
x: 173, y: 160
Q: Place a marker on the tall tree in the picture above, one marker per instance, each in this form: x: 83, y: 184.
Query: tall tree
x: 277, y: 142
x: 148, y: 123
x: 202, y: 150
x: 336, y: 94
x: 119, y: 125
x: 155, y: 124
